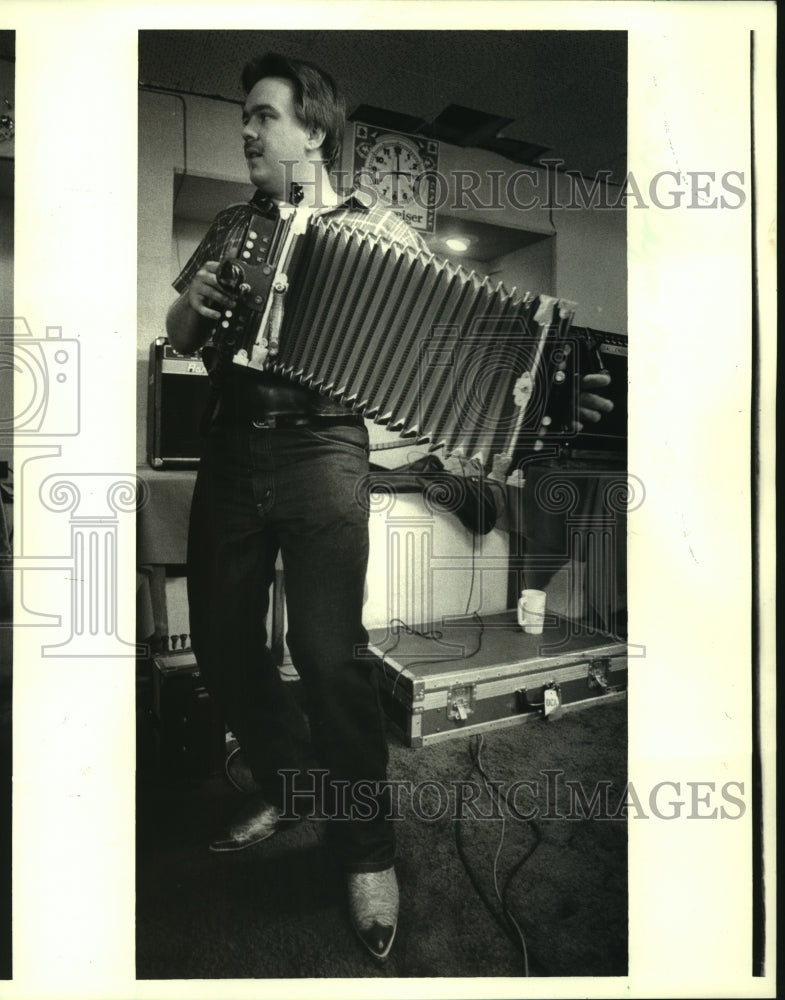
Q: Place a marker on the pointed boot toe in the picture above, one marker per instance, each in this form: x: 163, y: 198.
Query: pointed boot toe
x: 373, y: 908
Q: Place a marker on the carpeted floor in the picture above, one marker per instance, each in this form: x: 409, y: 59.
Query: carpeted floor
x: 277, y: 910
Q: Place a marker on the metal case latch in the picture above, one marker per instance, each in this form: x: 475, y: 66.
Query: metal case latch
x: 598, y: 674
x: 460, y: 702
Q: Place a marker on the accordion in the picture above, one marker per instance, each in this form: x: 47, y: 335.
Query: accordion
x: 423, y: 346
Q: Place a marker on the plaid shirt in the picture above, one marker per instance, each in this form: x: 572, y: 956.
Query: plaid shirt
x: 225, y: 235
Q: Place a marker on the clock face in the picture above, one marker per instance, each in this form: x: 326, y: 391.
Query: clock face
x: 399, y: 171
x: 395, y: 169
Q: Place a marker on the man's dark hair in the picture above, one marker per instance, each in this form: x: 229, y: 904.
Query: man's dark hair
x: 317, y: 101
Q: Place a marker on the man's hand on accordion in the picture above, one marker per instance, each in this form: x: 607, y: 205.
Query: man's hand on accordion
x: 591, y: 405
x: 205, y: 293
x: 190, y: 316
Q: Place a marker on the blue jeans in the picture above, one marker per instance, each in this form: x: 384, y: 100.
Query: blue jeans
x: 259, y: 492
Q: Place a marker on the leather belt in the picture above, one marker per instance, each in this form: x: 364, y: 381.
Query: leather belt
x: 282, y: 421
x: 263, y: 420
x: 268, y: 402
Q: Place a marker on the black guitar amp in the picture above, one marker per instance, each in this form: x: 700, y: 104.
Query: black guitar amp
x: 177, y: 393
x: 600, y: 350
x: 190, y: 734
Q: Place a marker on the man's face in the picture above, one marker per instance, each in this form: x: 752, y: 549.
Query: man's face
x: 273, y: 137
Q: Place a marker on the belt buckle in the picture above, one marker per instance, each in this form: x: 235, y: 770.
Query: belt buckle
x: 268, y: 424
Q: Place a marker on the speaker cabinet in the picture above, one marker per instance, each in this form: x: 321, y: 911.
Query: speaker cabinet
x: 190, y: 734
x: 610, y: 435
x: 177, y: 394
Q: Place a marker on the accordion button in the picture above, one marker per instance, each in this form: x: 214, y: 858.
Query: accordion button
x: 246, y: 254
x: 252, y: 236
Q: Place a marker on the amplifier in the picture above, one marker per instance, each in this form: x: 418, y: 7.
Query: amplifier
x: 610, y: 353
x: 177, y: 393
x: 191, y: 735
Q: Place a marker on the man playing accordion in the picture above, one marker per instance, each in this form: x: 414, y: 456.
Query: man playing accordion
x: 279, y: 474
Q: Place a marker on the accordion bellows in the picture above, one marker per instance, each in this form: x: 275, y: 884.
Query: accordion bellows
x: 426, y: 347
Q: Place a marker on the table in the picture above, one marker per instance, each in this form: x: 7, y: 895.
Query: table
x: 161, y: 542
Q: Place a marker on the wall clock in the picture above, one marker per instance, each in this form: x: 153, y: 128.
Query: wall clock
x: 399, y: 171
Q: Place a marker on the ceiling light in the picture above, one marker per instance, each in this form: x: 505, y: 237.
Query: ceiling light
x: 457, y: 244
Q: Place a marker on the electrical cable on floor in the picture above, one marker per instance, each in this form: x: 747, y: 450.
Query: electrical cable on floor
x: 475, y: 882
x: 227, y: 768
x: 533, y: 826
x: 521, y: 861
x: 509, y: 924
x: 505, y: 910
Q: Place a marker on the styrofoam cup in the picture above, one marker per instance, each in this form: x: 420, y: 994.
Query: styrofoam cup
x: 531, y: 611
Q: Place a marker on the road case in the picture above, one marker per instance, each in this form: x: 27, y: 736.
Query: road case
x: 469, y: 674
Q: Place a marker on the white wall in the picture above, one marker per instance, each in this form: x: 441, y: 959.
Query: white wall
x: 425, y: 564
x: 530, y: 269
x: 591, y: 263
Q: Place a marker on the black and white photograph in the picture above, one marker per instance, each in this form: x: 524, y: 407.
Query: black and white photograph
x: 7, y: 129
x: 387, y: 499
x: 474, y: 529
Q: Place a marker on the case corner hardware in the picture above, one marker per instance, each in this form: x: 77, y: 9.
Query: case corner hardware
x: 600, y: 678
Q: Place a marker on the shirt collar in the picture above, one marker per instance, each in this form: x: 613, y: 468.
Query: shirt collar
x: 356, y: 199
